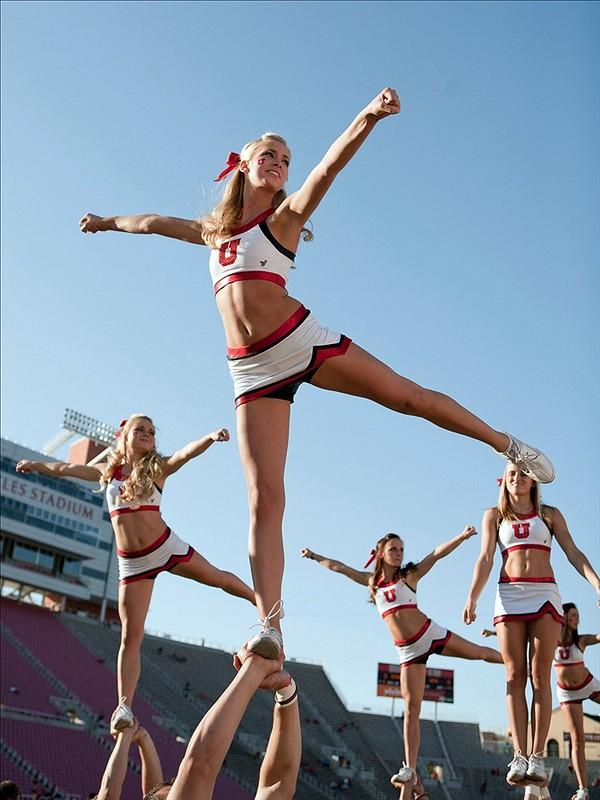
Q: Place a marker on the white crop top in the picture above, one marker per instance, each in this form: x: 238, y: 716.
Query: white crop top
x: 251, y: 253
x: 567, y: 656
x: 526, y: 532
x: 391, y: 596
x: 116, y: 504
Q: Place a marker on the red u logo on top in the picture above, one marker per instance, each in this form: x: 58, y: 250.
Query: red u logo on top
x: 228, y: 252
x: 521, y: 529
x: 390, y: 595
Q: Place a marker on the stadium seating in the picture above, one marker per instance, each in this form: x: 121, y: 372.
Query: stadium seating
x: 22, y: 686
x: 179, y: 682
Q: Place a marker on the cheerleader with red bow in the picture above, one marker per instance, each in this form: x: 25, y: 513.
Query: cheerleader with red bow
x: 133, y: 476
x: 393, y: 589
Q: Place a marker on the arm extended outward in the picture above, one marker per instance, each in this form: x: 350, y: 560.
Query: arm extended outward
x: 441, y: 551
x: 60, y: 469
x: 298, y: 207
x: 186, y: 230
x: 337, y: 566
x: 193, y: 449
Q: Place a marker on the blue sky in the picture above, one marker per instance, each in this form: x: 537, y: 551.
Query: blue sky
x: 461, y: 246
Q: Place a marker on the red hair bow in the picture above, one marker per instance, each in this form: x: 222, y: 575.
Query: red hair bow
x: 233, y: 159
x: 121, y: 426
x: 499, y: 481
x: 372, y: 557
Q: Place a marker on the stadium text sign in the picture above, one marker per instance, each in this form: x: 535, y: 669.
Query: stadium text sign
x: 36, y: 495
x: 439, y: 683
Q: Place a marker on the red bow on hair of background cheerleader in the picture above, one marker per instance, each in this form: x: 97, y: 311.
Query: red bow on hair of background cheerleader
x: 121, y: 426
x: 372, y: 557
x: 233, y: 159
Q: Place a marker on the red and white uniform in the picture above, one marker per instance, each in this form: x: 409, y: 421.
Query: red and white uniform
x: 277, y: 364
x: 117, y: 505
x: 162, y: 554
x: 570, y: 656
x: 251, y: 253
x: 567, y: 656
x: 521, y: 598
x: 394, y: 595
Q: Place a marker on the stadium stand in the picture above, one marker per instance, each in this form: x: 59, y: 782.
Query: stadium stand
x: 22, y: 686
x: 50, y: 655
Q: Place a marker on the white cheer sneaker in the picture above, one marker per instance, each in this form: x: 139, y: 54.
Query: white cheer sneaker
x: 531, y: 460
x: 517, y: 769
x: 268, y: 643
x: 122, y: 717
x: 404, y: 775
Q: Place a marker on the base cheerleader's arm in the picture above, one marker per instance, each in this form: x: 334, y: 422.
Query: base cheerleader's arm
x: 578, y: 559
x: 117, y: 765
x: 483, y: 565
x: 337, y: 566
x: 193, y: 449
x: 150, y: 761
x: 186, y: 230
x: 297, y: 208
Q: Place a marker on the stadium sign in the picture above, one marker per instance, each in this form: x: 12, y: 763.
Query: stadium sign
x: 439, y: 683
x: 41, y: 497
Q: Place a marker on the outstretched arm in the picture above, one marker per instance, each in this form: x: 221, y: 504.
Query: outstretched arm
x: 298, y: 207
x: 441, y: 551
x: 60, y: 469
x: 116, y: 767
x: 337, y: 566
x: 151, y: 769
x: 212, y: 738
x: 572, y: 552
x: 588, y: 639
x: 186, y: 230
x: 193, y: 449
x: 483, y: 565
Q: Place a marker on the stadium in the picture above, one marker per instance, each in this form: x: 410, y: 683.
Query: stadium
x: 60, y: 636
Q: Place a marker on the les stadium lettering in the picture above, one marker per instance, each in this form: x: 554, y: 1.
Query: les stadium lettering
x: 45, y: 498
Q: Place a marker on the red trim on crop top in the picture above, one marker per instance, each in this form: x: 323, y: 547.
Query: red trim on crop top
x: 249, y: 275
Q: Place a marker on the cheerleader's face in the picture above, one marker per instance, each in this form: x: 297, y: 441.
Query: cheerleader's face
x: 141, y: 436
x: 572, y: 619
x: 393, y: 552
x: 517, y: 483
x: 268, y: 166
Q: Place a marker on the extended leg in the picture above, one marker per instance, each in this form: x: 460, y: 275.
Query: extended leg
x: 201, y: 570
x: 462, y: 648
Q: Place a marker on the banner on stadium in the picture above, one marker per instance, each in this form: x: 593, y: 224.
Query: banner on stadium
x: 439, y: 683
